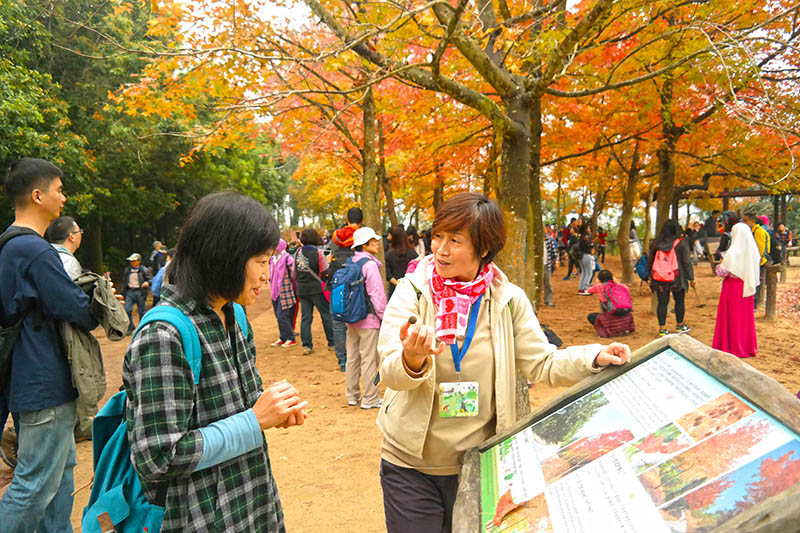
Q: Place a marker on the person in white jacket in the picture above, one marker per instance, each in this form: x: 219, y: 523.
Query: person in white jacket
x: 450, y: 376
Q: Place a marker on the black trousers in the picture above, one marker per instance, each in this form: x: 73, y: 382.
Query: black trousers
x: 679, y: 295
x: 414, y: 502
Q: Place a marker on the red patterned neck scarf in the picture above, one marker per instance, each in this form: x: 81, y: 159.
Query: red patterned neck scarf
x: 453, y: 299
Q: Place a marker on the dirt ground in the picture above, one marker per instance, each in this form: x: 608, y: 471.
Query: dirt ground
x: 327, y: 470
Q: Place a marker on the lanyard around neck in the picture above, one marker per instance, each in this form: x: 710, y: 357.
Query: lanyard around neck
x: 458, y: 355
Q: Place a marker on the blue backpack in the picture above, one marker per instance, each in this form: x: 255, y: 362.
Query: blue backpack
x: 349, y: 300
x: 117, y: 491
x: 641, y: 268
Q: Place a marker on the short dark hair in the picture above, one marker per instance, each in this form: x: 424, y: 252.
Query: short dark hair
x: 310, y: 236
x: 223, y: 231
x: 480, y: 216
x: 604, y: 276
x: 29, y: 173
x: 60, y: 229
x: 355, y: 215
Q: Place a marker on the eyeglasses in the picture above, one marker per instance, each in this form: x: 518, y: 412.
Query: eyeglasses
x: 74, y: 232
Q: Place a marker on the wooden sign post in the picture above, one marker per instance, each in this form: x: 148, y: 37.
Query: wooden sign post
x: 684, y: 438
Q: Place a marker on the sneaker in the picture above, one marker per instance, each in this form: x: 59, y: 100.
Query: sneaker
x: 584, y: 293
x: 375, y: 405
x: 277, y: 343
x: 551, y: 304
x: 682, y: 329
x: 352, y: 403
x: 286, y: 344
x: 307, y: 350
x: 663, y: 332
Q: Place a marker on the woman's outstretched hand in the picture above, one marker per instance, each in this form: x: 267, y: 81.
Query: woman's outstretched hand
x: 280, y: 406
x: 615, y: 353
x: 417, y: 342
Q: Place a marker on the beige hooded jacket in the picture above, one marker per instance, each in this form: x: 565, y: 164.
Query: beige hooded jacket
x: 518, y: 343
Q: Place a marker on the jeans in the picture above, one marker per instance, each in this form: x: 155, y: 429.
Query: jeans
x: 307, y: 305
x: 284, y: 317
x: 39, y: 497
x: 572, y: 263
x: 135, y: 297
x: 679, y: 295
x: 340, y: 342
x: 586, y: 272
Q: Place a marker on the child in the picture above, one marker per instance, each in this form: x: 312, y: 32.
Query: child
x: 616, y: 317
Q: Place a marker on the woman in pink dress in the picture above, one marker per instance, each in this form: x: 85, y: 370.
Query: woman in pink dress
x: 735, y: 331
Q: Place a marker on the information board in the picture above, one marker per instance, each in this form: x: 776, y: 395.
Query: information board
x: 664, y: 447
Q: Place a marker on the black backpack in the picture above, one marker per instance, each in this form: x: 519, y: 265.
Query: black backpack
x: 8, y: 335
x: 775, y: 246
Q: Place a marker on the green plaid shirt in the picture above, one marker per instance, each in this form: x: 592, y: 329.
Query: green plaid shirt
x: 165, y: 410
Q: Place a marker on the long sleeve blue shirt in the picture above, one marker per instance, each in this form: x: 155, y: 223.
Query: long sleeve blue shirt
x: 31, y: 274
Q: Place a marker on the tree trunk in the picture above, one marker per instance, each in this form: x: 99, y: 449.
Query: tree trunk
x: 490, y: 176
x: 666, y: 155
x: 513, y: 193
x: 599, y: 202
x: 386, y: 184
x: 370, y: 197
x: 623, y: 233
x: 535, y: 241
x: 648, y: 222
x: 558, y: 202
x: 438, y: 189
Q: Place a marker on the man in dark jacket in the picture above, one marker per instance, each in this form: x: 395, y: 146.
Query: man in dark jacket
x: 35, y: 288
x: 135, y: 281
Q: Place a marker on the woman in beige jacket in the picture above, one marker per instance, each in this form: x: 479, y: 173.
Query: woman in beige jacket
x: 450, y: 376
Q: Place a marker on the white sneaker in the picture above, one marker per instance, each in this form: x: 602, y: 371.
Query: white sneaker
x: 375, y: 405
x: 277, y: 343
x: 352, y: 403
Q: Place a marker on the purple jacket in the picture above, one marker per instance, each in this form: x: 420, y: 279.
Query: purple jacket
x: 377, y: 296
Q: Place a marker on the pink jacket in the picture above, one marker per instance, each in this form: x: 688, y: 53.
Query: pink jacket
x: 377, y: 296
x: 599, y: 290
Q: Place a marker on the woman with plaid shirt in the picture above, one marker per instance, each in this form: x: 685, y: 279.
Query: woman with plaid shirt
x: 199, y: 450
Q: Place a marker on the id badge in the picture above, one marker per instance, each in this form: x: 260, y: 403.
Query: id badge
x: 458, y: 399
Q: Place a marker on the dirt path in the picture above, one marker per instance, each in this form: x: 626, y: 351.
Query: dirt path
x: 327, y: 470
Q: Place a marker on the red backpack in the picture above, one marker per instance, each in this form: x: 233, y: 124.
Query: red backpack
x: 665, y: 264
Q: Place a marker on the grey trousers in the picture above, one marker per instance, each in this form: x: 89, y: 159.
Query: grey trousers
x: 362, y: 364
x: 548, y: 289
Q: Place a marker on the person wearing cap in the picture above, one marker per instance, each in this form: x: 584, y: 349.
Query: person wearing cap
x: 135, y: 281
x: 362, y: 337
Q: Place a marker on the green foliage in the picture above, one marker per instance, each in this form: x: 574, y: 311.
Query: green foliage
x: 126, y: 175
